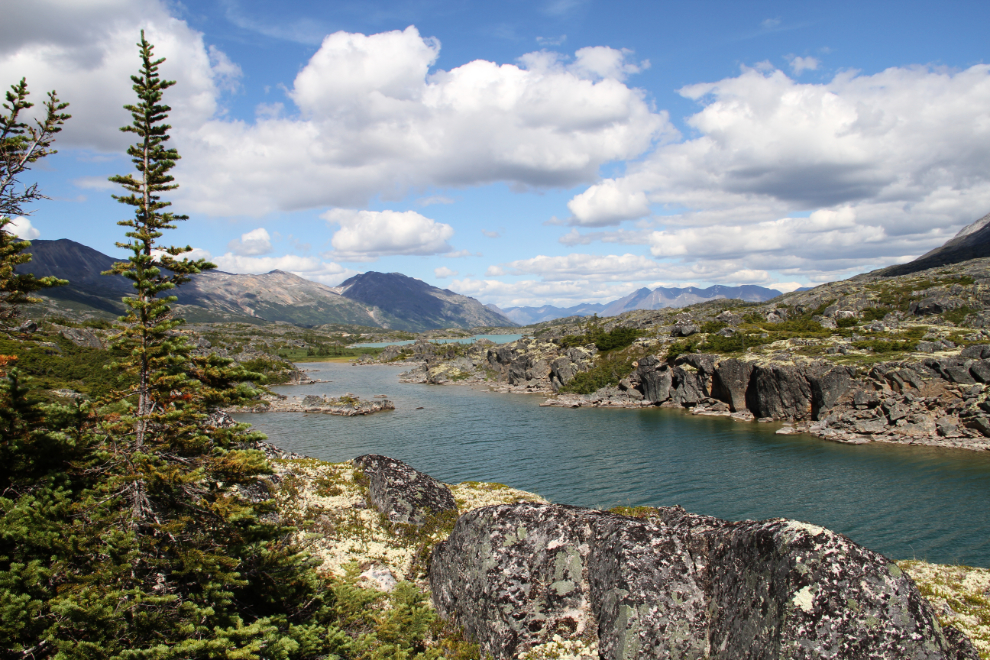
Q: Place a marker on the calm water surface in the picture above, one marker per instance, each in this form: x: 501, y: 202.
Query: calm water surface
x: 906, y: 502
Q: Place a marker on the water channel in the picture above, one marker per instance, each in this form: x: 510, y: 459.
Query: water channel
x: 906, y: 502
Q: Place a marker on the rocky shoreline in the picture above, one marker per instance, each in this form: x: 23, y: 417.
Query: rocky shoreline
x: 938, y: 398
x: 347, y: 405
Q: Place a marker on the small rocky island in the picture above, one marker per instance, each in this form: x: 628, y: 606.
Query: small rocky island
x: 347, y: 405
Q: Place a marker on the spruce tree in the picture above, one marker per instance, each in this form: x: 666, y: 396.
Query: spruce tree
x: 125, y: 531
x: 22, y: 143
x: 202, y: 569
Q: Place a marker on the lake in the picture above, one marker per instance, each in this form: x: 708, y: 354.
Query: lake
x: 906, y: 502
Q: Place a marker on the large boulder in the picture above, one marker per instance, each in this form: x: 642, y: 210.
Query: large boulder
x: 688, y: 386
x: 402, y: 493
x: 513, y: 576
x: 518, y: 369
x: 675, y: 585
x: 562, y: 371
x: 656, y: 385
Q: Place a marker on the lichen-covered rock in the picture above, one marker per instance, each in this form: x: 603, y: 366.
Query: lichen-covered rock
x: 513, y: 576
x: 402, y: 493
x: 674, y: 585
x: 782, y: 589
x: 648, y: 590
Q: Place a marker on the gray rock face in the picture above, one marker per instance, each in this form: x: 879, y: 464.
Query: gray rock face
x: 827, y: 389
x: 781, y: 392
x: 684, y: 330
x: 687, y: 386
x: 980, y: 371
x: 675, y: 585
x: 730, y: 382
x: 403, y: 494
x: 976, y: 352
x: 656, y: 385
x: 562, y: 371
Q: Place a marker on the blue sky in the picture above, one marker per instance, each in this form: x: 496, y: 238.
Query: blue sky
x: 529, y: 152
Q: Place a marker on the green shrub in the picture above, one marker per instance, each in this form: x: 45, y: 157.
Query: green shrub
x: 846, y: 323
x: 616, y: 338
x: 884, y: 346
x: 607, y: 372
x: 874, y: 313
x: 958, y: 315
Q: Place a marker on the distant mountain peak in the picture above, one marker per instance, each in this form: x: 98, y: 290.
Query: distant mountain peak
x: 390, y: 300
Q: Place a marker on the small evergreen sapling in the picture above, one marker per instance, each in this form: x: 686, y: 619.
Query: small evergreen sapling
x: 22, y: 144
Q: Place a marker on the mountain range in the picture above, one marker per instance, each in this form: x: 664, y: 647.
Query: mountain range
x: 642, y: 299
x: 385, y: 300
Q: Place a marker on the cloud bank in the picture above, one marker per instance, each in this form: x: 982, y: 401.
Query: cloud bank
x: 862, y: 170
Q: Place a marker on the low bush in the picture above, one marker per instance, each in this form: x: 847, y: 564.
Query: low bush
x: 617, y: 338
x: 607, y: 372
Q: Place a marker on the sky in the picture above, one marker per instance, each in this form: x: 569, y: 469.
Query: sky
x: 526, y: 153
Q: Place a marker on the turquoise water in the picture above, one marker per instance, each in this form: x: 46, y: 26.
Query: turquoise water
x: 906, y: 502
x: 498, y: 339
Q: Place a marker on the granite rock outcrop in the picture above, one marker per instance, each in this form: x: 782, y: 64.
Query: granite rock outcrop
x: 675, y: 585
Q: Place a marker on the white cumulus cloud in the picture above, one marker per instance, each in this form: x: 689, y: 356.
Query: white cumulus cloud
x: 444, y: 272
x: 21, y: 228
x: 311, y: 268
x: 527, y: 293
x: 801, y: 64
x: 367, y: 235
x: 813, y: 178
x: 607, y: 203
x: 86, y: 51
x: 372, y: 117
x: 373, y: 120
x: 253, y: 243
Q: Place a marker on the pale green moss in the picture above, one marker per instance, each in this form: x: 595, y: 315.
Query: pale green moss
x: 960, y: 596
